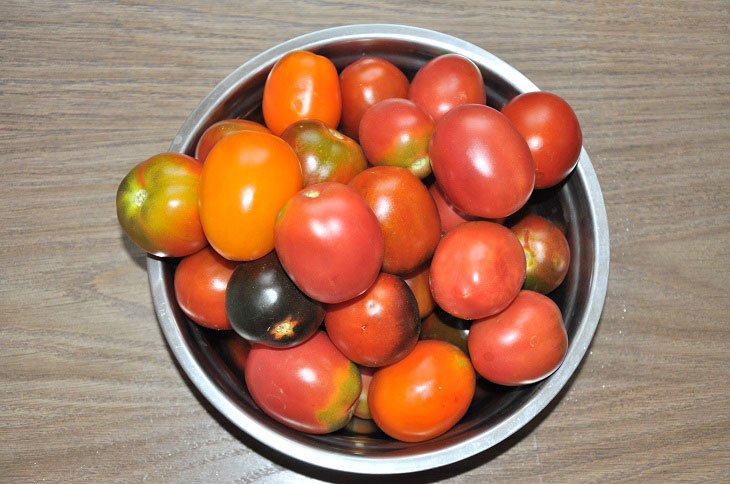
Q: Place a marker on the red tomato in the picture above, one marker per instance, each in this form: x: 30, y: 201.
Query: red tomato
x: 329, y: 242
x: 547, y: 253
x: 477, y: 270
x: 481, y: 162
x: 362, y: 410
x: 407, y: 214
x: 552, y: 132
x: 379, y: 327
x: 219, y: 130
x: 424, y: 394
x: 523, y: 344
x: 200, y: 287
x: 396, y: 132
x: 445, y: 82
x: 450, y: 216
x: 310, y: 387
x: 302, y: 85
x: 157, y: 205
x: 364, y: 83
x: 246, y: 179
x: 418, y: 282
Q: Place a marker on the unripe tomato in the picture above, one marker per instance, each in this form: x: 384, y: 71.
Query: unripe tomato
x: 221, y: 129
x: 302, y: 85
x: 547, y: 253
x: 246, y: 179
x: 157, y: 205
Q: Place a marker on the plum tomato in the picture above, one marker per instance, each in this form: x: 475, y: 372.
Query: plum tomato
x: 546, y: 251
x: 219, y: 130
x: 310, y: 387
x: 246, y: 179
x: 449, y: 215
x: 418, y: 282
x: 365, y: 82
x: 481, y: 162
x: 477, y: 270
x: 302, y: 85
x: 424, y: 394
x: 523, y: 344
x: 362, y: 410
x: 445, y: 82
x: 396, y: 132
x: 200, y: 287
x: 442, y: 326
x: 329, y: 242
x: 264, y: 305
x: 378, y: 327
x: 552, y: 132
x: 157, y: 205
x: 324, y: 153
x: 406, y: 212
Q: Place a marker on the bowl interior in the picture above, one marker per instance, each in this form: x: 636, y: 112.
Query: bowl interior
x: 496, y: 411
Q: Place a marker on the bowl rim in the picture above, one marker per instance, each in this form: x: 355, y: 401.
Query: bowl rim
x: 404, y: 463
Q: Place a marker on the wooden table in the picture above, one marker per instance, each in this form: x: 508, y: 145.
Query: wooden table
x: 88, y: 387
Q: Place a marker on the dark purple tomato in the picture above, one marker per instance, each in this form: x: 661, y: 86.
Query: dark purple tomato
x: 546, y: 251
x: 481, y: 162
x: 445, y: 82
x: 324, y: 153
x: 264, y: 305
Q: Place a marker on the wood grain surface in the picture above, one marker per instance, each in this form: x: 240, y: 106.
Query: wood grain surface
x: 88, y: 388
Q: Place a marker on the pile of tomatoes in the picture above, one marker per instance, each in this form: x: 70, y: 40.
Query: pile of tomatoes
x: 354, y: 261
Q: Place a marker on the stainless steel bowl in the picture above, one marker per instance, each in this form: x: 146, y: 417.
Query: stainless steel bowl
x: 496, y: 412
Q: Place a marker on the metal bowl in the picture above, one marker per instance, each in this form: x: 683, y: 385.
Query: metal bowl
x: 496, y: 412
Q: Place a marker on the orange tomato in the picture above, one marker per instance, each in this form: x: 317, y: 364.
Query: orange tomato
x: 246, y: 179
x: 424, y: 394
x: 302, y: 85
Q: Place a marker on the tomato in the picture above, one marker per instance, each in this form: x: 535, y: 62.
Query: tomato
x: 407, y: 214
x: 552, y: 132
x: 265, y: 306
x: 310, y: 387
x: 546, y: 251
x: 418, y: 282
x: 424, y: 394
x: 442, y: 326
x: 477, y: 270
x: 396, y: 132
x: 324, y: 154
x: 449, y: 215
x: 523, y: 344
x: 481, y: 162
x: 329, y: 242
x: 157, y: 205
x: 445, y: 82
x: 234, y: 351
x: 219, y: 130
x: 200, y: 287
x: 379, y: 327
x: 365, y: 82
x: 246, y: 179
x: 362, y: 410
x: 302, y: 85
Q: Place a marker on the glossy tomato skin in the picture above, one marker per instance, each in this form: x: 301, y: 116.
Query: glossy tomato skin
x: 157, y: 205
x: 417, y: 280
x: 378, y: 327
x: 302, y: 85
x: 406, y: 212
x: 523, y: 344
x: 396, y: 132
x: 264, y: 305
x: 219, y: 130
x: 324, y: 153
x: 310, y: 387
x: 362, y: 410
x: 424, y: 394
x: 246, y: 179
x: 477, y: 270
x: 481, y: 162
x: 449, y: 215
x: 329, y: 242
x: 445, y: 82
x: 552, y: 132
x: 364, y: 83
x: 200, y: 287
x: 442, y: 326
x: 547, y: 253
